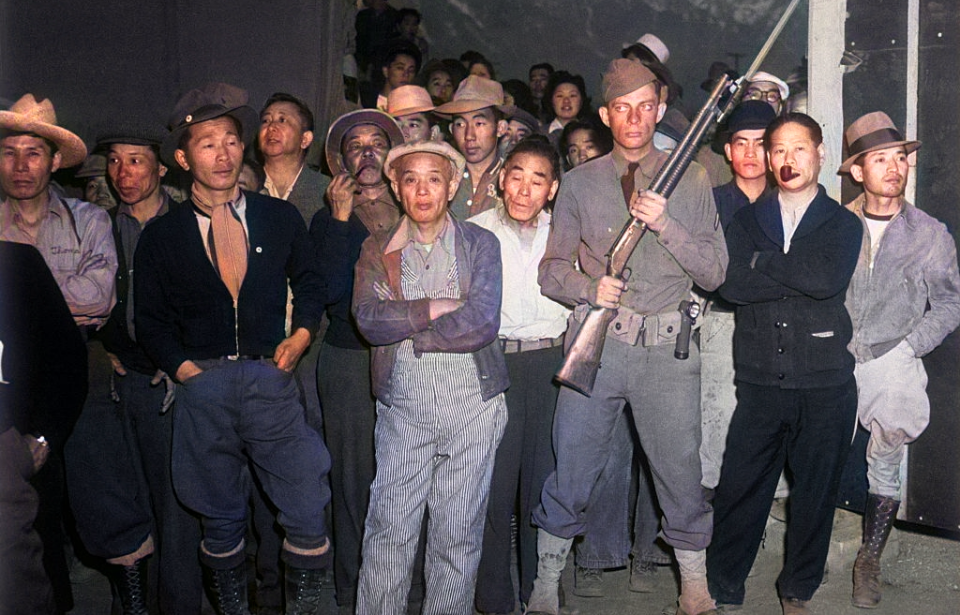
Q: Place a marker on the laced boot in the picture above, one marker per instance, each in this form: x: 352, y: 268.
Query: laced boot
x: 131, y: 583
x: 228, y: 589
x: 878, y: 520
x: 303, y: 590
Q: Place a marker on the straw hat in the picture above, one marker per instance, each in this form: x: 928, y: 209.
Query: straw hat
x: 473, y: 94
x: 871, y: 132
x: 345, y: 122
x: 39, y: 118
x: 409, y: 99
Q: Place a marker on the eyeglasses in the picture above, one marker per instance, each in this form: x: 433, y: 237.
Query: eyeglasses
x: 771, y: 96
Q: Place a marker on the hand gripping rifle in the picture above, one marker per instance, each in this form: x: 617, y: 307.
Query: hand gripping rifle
x: 582, y: 360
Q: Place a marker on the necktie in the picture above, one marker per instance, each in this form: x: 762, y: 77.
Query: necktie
x: 626, y: 182
x: 227, y: 243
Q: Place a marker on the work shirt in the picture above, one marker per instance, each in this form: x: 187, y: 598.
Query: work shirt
x: 473, y: 197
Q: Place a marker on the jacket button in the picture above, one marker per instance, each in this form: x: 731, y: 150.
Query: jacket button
x: 777, y: 325
x: 618, y: 326
x: 485, y: 377
x: 784, y: 325
x: 779, y: 350
x: 780, y: 376
x: 670, y: 329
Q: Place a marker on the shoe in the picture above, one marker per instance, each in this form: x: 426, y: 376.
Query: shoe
x: 131, y: 583
x: 643, y: 576
x: 228, y: 589
x: 588, y: 582
x: 877, y: 522
x: 794, y: 606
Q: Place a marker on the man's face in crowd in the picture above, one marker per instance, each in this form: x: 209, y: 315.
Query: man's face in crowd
x: 480, y: 70
x: 516, y: 131
x: 581, y: 147
x: 766, y: 91
x: 415, y: 127
x: 134, y: 171
x: 440, y: 85
x: 883, y: 172
x: 213, y: 154
x: 538, y: 82
x: 476, y: 134
x: 400, y: 71
x: 282, y: 131
x: 746, y: 154
x: 528, y: 185
x: 364, y: 149
x: 26, y: 163
x: 633, y: 118
x: 792, y: 144
x: 425, y: 185
x: 567, y: 102
x: 409, y: 26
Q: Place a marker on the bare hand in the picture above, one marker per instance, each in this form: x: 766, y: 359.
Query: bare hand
x: 186, y: 371
x: 606, y: 291
x: 441, y: 307
x: 290, y: 349
x: 651, y: 208
x: 116, y: 364
x: 340, y: 195
x: 169, y: 390
x: 39, y: 450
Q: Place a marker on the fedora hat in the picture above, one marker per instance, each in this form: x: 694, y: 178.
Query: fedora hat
x: 409, y: 99
x: 345, y: 122
x: 475, y: 93
x: 440, y: 148
x: 206, y: 103
x: 653, y: 44
x: 871, y: 132
x: 39, y: 118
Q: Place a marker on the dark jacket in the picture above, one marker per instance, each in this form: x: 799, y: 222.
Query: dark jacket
x: 183, y: 310
x: 473, y: 328
x: 792, y: 327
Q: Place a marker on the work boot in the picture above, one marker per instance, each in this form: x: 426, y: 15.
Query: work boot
x: 588, y: 582
x: 643, y: 574
x: 552, y: 554
x: 878, y: 520
x: 794, y: 606
x: 131, y: 583
x: 303, y: 590
x: 228, y: 589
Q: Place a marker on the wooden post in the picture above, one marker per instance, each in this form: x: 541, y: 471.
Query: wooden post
x: 825, y: 42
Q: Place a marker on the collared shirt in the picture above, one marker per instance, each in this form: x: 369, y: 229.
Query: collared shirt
x: 525, y: 314
x: 203, y: 220
x: 791, y: 220
x: 431, y: 263
x: 129, y: 229
x: 271, y: 189
x: 379, y: 214
x: 76, y: 241
x: 475, y: 197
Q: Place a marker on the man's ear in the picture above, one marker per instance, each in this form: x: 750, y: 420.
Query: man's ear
x: 307, y: 139
x: 56, y: 162
x: 726, y: 150
x: 856, y: 172
x: 553, y: 189
x: 604, y: 115
x: 500, y: 178
x: 661, y: 111
x: 436, y: 134
x: 181, y: 157
x: 502, y: 127
x: 162, y: 170
x: 823, y: 154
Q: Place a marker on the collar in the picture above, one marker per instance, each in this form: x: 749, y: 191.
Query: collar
x: 404, y: 235
x: 238, y: 202
x: 649, y: 164
x: 271, y: 189
x: 906, y: 209
x: 125, y: 210
x: 543, y: 219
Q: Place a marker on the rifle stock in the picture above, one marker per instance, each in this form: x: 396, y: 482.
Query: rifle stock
x: 582, y: 359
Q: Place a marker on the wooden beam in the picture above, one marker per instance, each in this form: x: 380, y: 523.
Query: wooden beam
x: 825, y: 45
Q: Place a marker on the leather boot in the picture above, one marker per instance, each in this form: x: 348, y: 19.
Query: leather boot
x: 131, y: 583
x: 878, y: 520
x: 228, y: 589
x: 303, y: 590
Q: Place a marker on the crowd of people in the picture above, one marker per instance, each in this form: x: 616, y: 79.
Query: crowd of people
x: 346, y: 373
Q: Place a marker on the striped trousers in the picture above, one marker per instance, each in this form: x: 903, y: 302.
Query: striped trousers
x: 435, y: 448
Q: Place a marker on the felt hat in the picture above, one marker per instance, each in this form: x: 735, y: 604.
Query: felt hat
x: 345, y: 122
x: 206, y: 103
x: 624, y: 76
x: 475, y: 93
x: 780, y: 83
x: 39, y: 118
x: 749, y: 115
x: 871, y: 132
x: 94, y: 166
x: 654, y: 44
x: 409, y: 99
x: 440, y: 148
x: 527, y: 119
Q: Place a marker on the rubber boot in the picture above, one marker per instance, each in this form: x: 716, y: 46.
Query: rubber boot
x: 552, y: 552
x: 228, y: 588
x: 303, y: 590
x: 131, y: 583
x: 878, y: 520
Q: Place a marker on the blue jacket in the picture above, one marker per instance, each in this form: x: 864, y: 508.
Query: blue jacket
x: 184, y: 312
x: 792, y: 327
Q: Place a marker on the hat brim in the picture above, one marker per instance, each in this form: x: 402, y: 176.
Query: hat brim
x: 72, y: 149
x: 910, y: 146
x: 347, y: 121
x: 458, y: 107
x: 247, y: 116
x: 412, y: 110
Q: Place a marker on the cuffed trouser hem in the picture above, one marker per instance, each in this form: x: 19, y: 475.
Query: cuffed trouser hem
x: 227, y: 561
x: 307, y: 561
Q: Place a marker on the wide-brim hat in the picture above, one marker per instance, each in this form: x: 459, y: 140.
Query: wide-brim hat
x: 39, y: 118
x: 206, y: 103
x: 345, y: 122
x: 440, y: 148
x: 654, y: 44
x: 475, y: 93
x: 409, y: 99
x: 871, y: 132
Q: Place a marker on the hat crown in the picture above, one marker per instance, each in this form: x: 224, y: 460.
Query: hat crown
x: 34, y: 111
x: 869, y: 123
x: 477, y: 88
x: 408, y: 97
x: 215, y: 94
x: 624, y: 76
